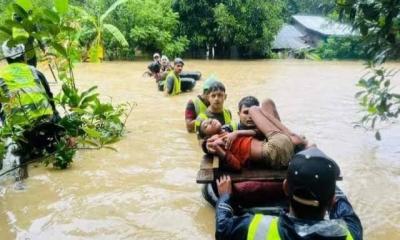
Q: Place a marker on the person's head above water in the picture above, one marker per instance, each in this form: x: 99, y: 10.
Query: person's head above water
x: 13, y: 53
x: 156, y: 56
x: 311, y: 183
x: 209, y: 127
x: 164, y: 60
x: 244, y: 106
x: 207, y: 84
x: 178, y: 65
x: 216, y: 97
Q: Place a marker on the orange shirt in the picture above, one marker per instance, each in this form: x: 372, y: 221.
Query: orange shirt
x: 237, y: 156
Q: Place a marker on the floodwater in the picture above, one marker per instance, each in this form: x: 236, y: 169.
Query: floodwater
x: 147, y: 189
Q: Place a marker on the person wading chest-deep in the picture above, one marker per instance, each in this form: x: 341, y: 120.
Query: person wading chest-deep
x: 173, y: 81
x: 197, y: 106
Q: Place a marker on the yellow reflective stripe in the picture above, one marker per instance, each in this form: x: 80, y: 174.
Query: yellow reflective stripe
x: 228, y: 119
x: 26, y: 98
x: 263, y: 227
x: 348, y: 236
x: 199, y: 106
x: 200, y: 118
x: 227, y: 116
x: 203, y: 116
x: 19, y: 32
x: 273, y: 233
x: 177, y: 83
x: 251, y: 234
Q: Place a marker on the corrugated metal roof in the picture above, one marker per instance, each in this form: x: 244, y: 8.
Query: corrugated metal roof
x: 289, y: 38
x: 324, y: 26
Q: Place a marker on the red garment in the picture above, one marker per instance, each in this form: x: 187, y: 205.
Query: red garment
x: 254, y: 193
x: 190, y: 111
x: 239, y: 153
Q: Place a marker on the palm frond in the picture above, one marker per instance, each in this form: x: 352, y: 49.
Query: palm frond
x: 111, y: 8
x: 117, y: 34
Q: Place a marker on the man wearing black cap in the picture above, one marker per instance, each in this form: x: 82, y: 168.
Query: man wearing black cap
x: 310, y: 186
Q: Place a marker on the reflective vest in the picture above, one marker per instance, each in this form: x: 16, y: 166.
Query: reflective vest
x: 177, y: 83
x: 203, y: 116
x: 23, y: 98
x: 199, y: 106
x: 18, y: 32
x: 264, y: 227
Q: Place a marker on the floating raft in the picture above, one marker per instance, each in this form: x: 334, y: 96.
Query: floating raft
x: 209, y: 172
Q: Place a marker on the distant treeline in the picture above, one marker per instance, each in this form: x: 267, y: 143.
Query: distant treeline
x: 227, y: 28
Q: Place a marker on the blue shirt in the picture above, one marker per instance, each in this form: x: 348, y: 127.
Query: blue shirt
x: 229, y: 226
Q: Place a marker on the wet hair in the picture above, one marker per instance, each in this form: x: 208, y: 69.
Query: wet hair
x: 216, y: 86
x: 200, y: 133
x: 248, y: 101
x: 154, y: 67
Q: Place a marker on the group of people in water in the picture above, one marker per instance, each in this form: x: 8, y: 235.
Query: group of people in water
x: 169, y: 78
x: 318, y: 209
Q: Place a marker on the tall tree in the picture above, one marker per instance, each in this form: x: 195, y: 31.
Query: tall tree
x: 196, y: 22
x: 246, y: 27
x: 250, y: 26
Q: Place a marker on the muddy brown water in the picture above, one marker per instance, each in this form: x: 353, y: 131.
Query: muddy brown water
x: 147, y: 189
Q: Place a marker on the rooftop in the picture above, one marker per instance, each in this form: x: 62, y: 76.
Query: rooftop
x: 324, y: 26
x: 289, y: 37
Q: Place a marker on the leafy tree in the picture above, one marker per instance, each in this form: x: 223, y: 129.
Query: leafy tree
x: 248, y: 25
x: 341, y: 48
x: 197, y: 22
x: 148, y: 26
x: 154, y: 27
x: 379, y: 23
x: 98, y: 27
x: 314, y: 7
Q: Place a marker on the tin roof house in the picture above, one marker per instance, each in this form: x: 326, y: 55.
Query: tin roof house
x: 306, y: 32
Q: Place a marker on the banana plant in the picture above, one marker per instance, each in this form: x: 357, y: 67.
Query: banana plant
x: 98, y: 27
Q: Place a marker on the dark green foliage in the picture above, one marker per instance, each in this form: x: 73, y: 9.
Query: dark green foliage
x: 197, y: 21
x: 63, y: 155
x: 310, y: 7
x: 342, y: 48
x: 377, y: 100
x: 246, y: 27
x: 379, y: 23
x: 147, y: 25
x: 86, y: 119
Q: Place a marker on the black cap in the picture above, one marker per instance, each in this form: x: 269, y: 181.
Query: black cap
x: 312, y: 177
x: 178, y: 61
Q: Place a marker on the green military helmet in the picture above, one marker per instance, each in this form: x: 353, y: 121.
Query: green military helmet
x: 210, y: 81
